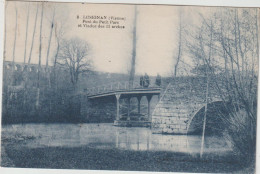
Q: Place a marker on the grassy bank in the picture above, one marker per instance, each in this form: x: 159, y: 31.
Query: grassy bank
x: 115, y: 159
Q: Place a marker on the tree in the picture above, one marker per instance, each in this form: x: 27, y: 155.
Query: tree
x: 48, y: 49
x: 231, y: 35
x: 50, y: 37
x: 15, y: 34
x: 238, y: 37
x: 73, y: 55
x: 58, y: 27
x: 26, y: 33
x: 59, y: 30
x: 39, y: 62
x: 6, y: 3
x: 179, y: 44
x: 204, y: 54
x: 132, y: 71
x: 34, y: 29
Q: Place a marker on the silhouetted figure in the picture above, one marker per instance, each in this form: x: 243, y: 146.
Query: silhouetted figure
x: 142, y: 81
x: 158, y: 80
x: 146, y: 81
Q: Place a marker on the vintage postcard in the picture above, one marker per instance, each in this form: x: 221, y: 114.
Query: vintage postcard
x: 129, y: 87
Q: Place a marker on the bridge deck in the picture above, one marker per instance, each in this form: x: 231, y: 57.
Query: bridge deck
x: 132, y: 92
x: 121, y: 88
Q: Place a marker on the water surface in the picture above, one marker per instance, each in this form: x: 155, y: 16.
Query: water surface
x: 106, y: 135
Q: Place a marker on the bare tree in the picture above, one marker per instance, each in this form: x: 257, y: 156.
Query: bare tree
x: 59, y: 27
x: 207, y: 61
x: 241, y: 57
x: 50, y: 37
x: 202, y: 52
x: 59, y: 32
x: 73, y: 55
x: 48, y: 50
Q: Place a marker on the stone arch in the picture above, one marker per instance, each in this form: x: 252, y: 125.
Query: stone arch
x: 25, y: 68
x: 30, y: 68
x: 18, y: 67
x: 214, y: 120
x: 33, y: 69
x: 7, y: 66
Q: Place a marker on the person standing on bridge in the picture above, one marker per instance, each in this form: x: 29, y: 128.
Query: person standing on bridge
x: 142, y: 81
x: 146, y: 80
x: 158, y: 80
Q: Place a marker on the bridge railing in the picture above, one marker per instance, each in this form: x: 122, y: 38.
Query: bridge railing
x: 116, y: 86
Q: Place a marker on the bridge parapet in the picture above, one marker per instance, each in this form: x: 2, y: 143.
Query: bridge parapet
x: 114, y: 87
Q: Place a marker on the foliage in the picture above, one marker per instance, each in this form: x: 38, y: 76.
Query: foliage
x: 242, y: 134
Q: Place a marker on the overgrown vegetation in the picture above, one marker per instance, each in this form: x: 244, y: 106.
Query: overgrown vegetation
x: 227, y: 40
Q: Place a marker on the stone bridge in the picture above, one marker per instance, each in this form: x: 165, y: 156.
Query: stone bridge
x: 181, y: 107
x: 179, y: 110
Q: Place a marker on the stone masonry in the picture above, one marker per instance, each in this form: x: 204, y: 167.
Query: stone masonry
x: 180, y: 101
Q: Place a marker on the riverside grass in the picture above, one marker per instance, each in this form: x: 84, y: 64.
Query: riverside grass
x: 115, y: 159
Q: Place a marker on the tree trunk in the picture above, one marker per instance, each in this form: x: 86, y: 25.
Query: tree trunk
x: 38, y: 98
x: 5, y: 32
x: 180, y: 46
x: 205, y: 117
x: 207, y: 62
x: 132, y: 71
x: 55, y: 82
x: 35, y: 22
x: 48, y: 50
x: 14, y: 45
x: 49, y: 44
x: 257, y: 37
x: 39, y: 64
x: 40, y: 46
x: 55, y: 63
x: 26, y: 33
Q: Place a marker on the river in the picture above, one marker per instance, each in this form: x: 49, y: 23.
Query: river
x: 105, y: 135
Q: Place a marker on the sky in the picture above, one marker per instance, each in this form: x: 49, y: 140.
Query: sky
x: 110, y: 49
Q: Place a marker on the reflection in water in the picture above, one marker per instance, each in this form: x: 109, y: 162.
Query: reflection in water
x: 108, y: 136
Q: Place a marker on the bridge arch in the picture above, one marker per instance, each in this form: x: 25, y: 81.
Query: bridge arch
x: 216, y: 112
x: 8, y: 66
x: 18, y: 67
